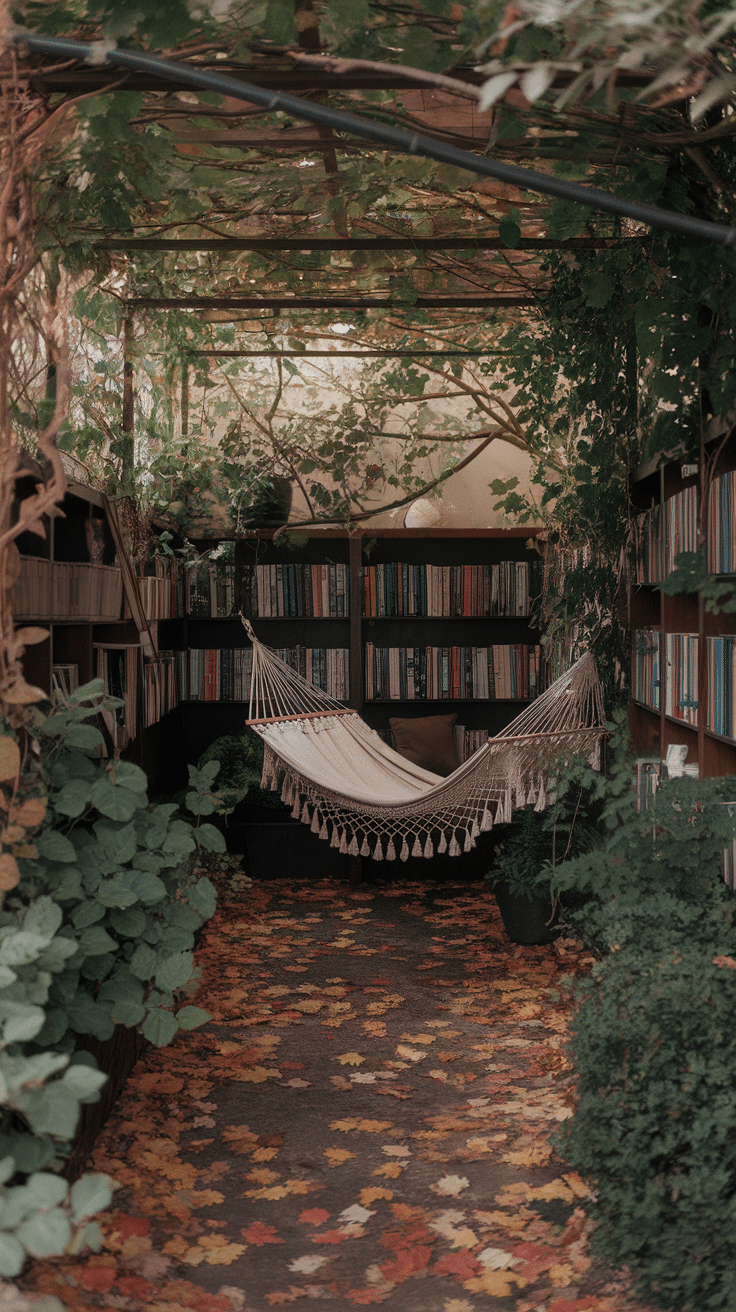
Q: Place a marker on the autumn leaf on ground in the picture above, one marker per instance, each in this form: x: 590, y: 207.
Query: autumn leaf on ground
x: 499, y: 1284
x: 350, y: 1059
x: 314, y: 1216
x: 391, y: 1170
x: 410, y: 1054
x: 306, y: 1266
x: 367, y: 1196
x: 258, y: 1233
x: 419, y: 1038
x: 450, y: 1185
x: 538, y: 1155
x: 355, y: 1123
x: 336, y: 1156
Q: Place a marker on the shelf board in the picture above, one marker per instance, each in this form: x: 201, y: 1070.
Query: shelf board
x: 489, y: 619
x: 445, y: 701
x: 681, y: 724
x: 720, y: 737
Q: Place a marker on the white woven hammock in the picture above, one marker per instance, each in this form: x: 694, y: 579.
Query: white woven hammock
x: 350, y: 787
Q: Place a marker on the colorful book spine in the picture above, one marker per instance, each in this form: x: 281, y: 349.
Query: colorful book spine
x: 681, y: 676
x: 722, y: 525
x: 463, y: 591
x: 504, y: 672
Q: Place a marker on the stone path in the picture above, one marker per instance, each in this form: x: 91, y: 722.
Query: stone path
x: 365, y: 1121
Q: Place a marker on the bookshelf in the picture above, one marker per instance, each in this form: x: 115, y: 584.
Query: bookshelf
x: 348, y: 606
x: 683, y: 656
x: 77, y: 583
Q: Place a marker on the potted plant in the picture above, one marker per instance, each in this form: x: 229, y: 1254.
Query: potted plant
x: 258, y: 824
x: 536, y: 842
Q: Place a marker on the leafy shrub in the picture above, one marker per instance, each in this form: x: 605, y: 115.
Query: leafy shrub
x: 654, y: 1046
x: 102, y: 898
x: 654, y: 1128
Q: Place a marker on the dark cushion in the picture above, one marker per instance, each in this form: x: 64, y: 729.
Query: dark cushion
x: 427, y: 741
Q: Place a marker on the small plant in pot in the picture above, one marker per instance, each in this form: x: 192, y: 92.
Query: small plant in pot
x: 239, y: 781
x: 536, y: 842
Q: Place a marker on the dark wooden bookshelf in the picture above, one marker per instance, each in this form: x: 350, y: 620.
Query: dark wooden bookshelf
x: 653, y: 730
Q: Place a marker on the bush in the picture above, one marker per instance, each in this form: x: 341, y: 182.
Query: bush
x: 101, y: 901
x: 654, y: 1045
x: 654, y: 1128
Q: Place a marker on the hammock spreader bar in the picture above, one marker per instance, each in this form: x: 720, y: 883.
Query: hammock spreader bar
x: 354, y: 791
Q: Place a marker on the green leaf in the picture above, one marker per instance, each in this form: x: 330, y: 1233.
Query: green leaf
x: 46, y: 1234
x: 19, y: 948
x: 509, y: 233
x: 130, y: 776
x: 43, y: 917
x: 143, y: 962
x: 115, y: 801
x: 20, y: 1021
x: 174, y: 971
x: 96, y: 940
x: 48, y: 1190
x: 118, y: 841
x: 598, y: 290
x: 159, y: 1027
x: 203, y: 897
x: 127, y: 1013
x: 53, y: 846
x: 129, y: 923
x: 73, y: 798
x: 90, y: 1194
x: 210, y: 838
x: 190, y: 1017
x: 12, y: 1255
x: 84, y: 736
x: 84, y: 1081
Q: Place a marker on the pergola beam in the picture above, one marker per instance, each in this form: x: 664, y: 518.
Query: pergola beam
x: 326, y: 303
x: 377, y: 244
x: 342, y: 355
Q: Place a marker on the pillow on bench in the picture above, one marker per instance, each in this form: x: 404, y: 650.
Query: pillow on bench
x: 427, y: 741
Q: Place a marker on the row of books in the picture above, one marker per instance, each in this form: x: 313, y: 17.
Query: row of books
x: 667, y: 662
x: 396, y: 588
x: 220, y: 674
x: 663, y: 532
x: 160, y: 687
x: 223, y: 673
x: 117, y: 666
x: 300, y: 589
x: 720, y: 715
x: 501, y: 672
x: 68, y: 590
x: 722, y: 525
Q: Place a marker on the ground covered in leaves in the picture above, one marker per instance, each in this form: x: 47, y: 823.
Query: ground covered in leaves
x: 365, y: 1121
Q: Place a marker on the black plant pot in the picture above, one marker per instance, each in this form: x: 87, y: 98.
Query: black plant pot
x: 526, y: 919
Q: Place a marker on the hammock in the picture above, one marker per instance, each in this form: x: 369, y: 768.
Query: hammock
x: 350, y: 787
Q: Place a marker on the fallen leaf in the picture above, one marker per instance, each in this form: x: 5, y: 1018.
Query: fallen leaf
x: 336, y: 1156
x: 391, y: 1170
x: 450, y: 1185
x: 499, y: 1284
x: 314, y: 1216
x: 258, y: 1233
x: 367, y: 1196
x: 355, y: 1123
x: 410, y: 1054
x: 350, y: 1059
x: 307, y: 1265
x: 419, y: 1038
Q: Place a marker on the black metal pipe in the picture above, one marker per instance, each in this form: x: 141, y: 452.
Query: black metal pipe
x: 394, y: 138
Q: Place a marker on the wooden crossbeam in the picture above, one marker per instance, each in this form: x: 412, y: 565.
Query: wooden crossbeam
x: 378, y: 244
x: 255, y: 303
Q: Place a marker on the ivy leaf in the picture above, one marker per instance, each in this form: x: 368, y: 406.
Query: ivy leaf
x: 53, y: 846
x: 73, y: 798
x: 12, y: 1255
